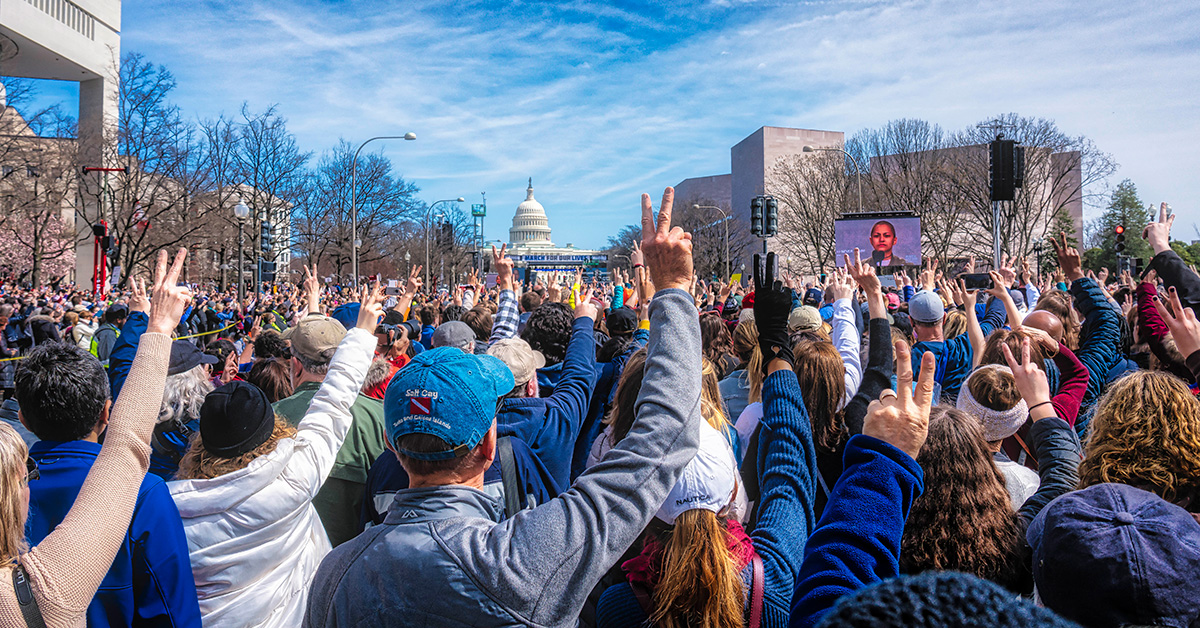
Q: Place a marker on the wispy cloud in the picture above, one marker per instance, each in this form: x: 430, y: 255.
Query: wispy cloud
x: 601, y: 101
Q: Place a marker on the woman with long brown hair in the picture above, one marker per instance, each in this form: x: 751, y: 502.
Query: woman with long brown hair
x: 717, y: 343
x: 698, y: 566
x: 964, y: 520
x: 64, y: 570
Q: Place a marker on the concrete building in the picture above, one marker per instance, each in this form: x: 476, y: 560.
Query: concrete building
x: 70, y: 40
x: 715, y: 189
x: 531, y: 248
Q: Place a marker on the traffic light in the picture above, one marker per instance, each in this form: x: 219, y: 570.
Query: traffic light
x: 771, y: 217
x: 265, y: 237
x: 1120, y: 230
x: 756, y: 216
x: 267, y: 271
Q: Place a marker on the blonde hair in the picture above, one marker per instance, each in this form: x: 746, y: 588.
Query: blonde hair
x: 712, y: 407
x: 1146, y: 433
x: 955, y: 324
x: 13, y: 453
x: 700, y: 584
x: 199, y: 464
x: 745, y: 343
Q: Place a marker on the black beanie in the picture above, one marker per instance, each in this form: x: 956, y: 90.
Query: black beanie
x: 235, y: 418
x: 936, y: 599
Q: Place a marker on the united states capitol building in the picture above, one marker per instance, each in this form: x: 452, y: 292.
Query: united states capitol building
x: 530, y: 246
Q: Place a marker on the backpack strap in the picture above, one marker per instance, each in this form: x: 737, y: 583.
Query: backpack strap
x: 643, y: 597
x: 508, y: 473
x: 756, y: 593
x: 28, y: 603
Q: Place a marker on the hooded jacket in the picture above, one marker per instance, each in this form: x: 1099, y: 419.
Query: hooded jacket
x: 254, y: 537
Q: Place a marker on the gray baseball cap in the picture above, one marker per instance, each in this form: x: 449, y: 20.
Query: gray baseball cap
x: 926, y: 307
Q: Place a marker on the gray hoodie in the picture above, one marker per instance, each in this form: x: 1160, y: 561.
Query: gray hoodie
x: 442, y: 558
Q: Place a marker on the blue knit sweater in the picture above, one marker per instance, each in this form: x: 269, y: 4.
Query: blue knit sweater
x: 857, y: 541
x: 787, y: 459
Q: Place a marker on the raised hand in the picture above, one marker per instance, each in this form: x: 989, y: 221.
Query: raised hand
x: 636, y: 257
x: 1068, y: 259
x: 772, y: 305
x: 929, y: 275
x: 1031, y: 381
x: 841, y: 285
x: 169, y: 299
x: 863, y: 273
x: 413, y: 286
x: 138, y: 302
x: 370, y: 308
x: 312, y: 289
x: 1006, y: 271
x: 1185, y: 329
x: 503, y: 266
x: 667, y: 250
x: 900, y: 417
x: 583, y: 303
x: 1158, y: 233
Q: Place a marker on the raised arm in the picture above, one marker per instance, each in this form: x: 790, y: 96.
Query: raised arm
x: 611, y: 503
x: 328, y: 419
x: 857, y: 542
x: 66, y: 568
x: 508, y: 318
x: 844, y: 333
x: 787, y: 459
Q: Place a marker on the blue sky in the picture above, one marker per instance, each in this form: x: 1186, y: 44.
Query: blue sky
x: 600, y: 102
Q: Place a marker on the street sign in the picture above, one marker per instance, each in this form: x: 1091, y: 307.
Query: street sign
x: 479, y: 210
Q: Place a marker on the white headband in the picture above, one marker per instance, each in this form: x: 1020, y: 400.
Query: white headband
x: 997, y: 424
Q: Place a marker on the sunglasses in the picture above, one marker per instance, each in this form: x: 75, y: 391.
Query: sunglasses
x: 31, y: 470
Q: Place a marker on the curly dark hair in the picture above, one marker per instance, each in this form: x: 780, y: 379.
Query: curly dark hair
x: 453, y: 313
x: 964, y: 521
x: 269, y: 344
x: 549, y: 330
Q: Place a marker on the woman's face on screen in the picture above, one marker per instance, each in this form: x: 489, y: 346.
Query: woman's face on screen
x: 882, y: 238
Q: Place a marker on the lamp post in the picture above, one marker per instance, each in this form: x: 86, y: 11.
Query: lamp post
x: 857, y: 170
x: 241, y: 212
x: 428, y: 212
x: 725, y: 219
x: 354, y: 198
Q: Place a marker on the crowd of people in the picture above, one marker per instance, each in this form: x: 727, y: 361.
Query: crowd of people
x: 650, y: 450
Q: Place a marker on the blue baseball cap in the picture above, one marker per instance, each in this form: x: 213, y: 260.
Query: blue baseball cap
x: 446, y: 393
x: 346, y: 314
x: 926, y: 307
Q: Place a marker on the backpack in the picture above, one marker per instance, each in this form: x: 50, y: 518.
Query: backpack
x: 94, y: 347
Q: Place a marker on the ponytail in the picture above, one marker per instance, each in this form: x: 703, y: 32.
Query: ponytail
x: 700, y: 584
x: 754, y: 374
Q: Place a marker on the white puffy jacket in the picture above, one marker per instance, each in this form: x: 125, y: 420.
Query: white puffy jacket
x: 254, y: 537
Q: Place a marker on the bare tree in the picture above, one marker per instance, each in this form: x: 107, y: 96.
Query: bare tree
x: 812, y: 191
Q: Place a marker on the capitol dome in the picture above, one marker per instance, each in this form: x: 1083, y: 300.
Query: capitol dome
x: 530, y: 227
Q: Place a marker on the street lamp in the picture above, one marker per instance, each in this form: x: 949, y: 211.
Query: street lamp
x: 428, y: 212
x: 354, y: 198
x: 857, y: 170
x: 724, y: 219
x: 241, y: 212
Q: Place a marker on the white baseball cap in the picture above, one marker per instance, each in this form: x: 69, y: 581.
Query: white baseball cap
x: 708, y: 481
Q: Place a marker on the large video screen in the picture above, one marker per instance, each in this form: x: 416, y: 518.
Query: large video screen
x: 883, y: 242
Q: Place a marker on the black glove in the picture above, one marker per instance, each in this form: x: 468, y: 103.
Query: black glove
x: 772, y: 306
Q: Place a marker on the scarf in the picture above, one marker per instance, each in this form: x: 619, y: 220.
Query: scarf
x: 643, y: 568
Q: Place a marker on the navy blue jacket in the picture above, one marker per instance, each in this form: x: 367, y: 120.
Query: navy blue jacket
x: 857, y: 541
x: 602, y: 395
x: 551, y: 425
x: 170, y: 442
x: 387, y: 476
x: 150, y: 582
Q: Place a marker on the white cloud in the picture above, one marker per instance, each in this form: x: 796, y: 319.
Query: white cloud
x: 599, y: 104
